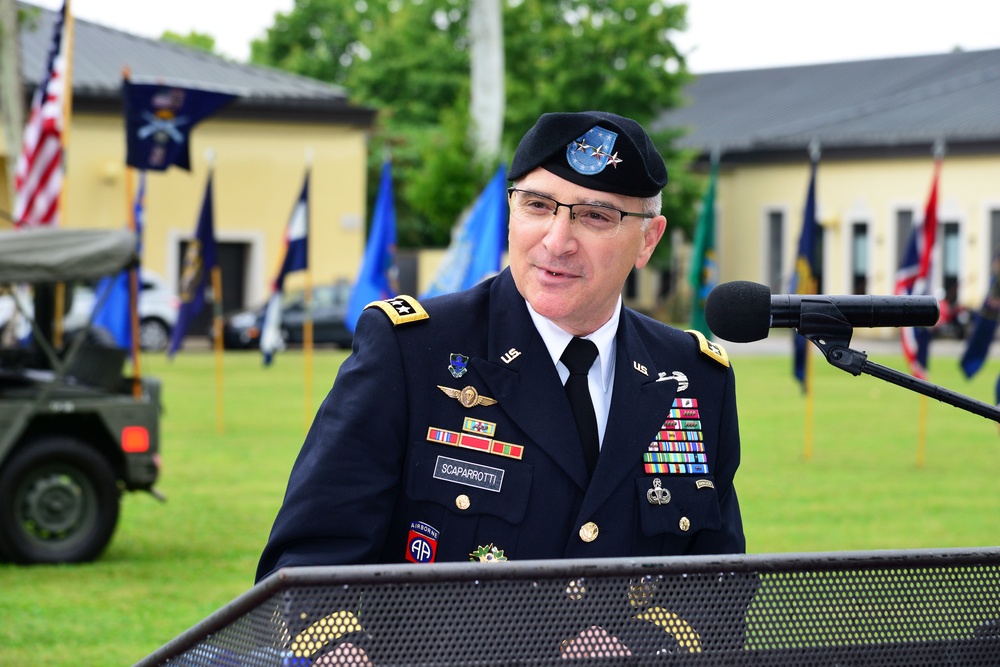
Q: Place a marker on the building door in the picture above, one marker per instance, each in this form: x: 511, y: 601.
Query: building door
x: 233, y: 259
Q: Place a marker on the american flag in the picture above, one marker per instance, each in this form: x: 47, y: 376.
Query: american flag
x: 39, y: 172
x: 914, y: 277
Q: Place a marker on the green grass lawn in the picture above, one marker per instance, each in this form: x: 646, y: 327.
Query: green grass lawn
x: 170, y: 565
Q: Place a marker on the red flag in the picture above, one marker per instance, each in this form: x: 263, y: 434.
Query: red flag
x: 39, y: 172
x: 914, y: 278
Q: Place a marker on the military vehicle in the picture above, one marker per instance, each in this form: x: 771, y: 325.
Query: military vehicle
x: 75, y: 431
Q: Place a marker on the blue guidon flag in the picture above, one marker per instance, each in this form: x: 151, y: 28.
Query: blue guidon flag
x: 159, y: 119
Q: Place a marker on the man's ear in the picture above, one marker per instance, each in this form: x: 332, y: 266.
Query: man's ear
x: 650, y: 237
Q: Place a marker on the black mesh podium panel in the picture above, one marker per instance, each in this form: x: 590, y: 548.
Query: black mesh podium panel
x: 924, y: 607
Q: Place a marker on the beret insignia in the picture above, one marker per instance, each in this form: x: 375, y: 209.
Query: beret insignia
x: 594, y: 149
x: 401, y: 309
x: 714, y: 350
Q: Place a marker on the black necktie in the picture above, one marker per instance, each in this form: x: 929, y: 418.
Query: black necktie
x: 579, y: 357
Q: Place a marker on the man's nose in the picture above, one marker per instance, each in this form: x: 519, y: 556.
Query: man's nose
x: 560, y: 236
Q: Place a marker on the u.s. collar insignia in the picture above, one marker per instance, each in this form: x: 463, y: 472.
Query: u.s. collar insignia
x: 469, y: 397
x: 487, y: 554
x: 458, y: 365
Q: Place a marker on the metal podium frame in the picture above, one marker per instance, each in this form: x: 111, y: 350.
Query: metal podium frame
x: 903, y: 607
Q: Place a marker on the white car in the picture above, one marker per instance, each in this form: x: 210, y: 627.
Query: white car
x: 158, y: 308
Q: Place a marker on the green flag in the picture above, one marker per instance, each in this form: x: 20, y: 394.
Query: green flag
x: 704, y: 268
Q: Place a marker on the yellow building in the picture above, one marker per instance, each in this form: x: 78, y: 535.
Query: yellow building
x: 258, y: 147
x: 875, y: 123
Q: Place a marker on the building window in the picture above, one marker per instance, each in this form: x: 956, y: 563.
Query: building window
x: 819, y: 244
x: 859, y: 258
x: 994, y: 249
x: 775, y: 246
x: 950, y: 257
x: 904, y: 225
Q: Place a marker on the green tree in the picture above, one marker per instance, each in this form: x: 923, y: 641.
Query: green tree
x: 410, y: 60
x: 194, y: 40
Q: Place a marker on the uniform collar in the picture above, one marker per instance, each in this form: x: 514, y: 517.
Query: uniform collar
x: 556, y: 340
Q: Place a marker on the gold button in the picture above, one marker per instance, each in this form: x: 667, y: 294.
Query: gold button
x: 462, y: 502
x: 684, y: 523
x: 588, y: 531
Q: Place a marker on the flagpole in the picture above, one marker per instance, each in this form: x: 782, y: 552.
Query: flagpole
x: 809, y: 286
x: 67, y: 109
x: 307, y: 349
x: 307, y: 328
x: 217, y: 326
x: 938, y: 151
x: 67, y: 48
x: 133, y: 292
x: 133, y: 275
x: 220, y: 421
x: 810, y: 404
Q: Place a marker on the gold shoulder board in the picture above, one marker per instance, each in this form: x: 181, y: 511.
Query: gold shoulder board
x: 401, y: 309
x: 713, y: 350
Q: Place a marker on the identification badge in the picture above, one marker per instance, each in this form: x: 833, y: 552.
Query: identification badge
x: 468, y: 473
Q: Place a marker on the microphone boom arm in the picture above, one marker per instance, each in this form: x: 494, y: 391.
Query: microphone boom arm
x: 825, y: 326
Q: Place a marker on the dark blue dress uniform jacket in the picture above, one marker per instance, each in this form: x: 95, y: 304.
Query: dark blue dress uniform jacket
x: 367, y: 471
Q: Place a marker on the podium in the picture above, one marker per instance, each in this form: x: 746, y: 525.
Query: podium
x: 911, y: 607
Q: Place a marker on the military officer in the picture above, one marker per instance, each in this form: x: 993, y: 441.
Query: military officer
x: 452, y: 433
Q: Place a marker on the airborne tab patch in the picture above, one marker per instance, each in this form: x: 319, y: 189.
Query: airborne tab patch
x: 713, y: 350
x: 401, y: 309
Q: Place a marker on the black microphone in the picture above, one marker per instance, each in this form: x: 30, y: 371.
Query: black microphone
x: 743, y: 311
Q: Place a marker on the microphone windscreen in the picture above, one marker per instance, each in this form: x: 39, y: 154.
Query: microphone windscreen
x: 739, y: 311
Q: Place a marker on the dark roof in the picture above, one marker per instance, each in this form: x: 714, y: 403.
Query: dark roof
x: 100, y: 55
x: 894, y: 104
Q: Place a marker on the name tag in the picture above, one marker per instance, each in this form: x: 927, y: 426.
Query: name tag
x: 468, y: 473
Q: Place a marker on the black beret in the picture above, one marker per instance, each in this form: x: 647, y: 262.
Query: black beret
x: 595, y: 149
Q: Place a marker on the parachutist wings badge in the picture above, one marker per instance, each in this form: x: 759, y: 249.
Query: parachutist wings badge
x: 468, y: 396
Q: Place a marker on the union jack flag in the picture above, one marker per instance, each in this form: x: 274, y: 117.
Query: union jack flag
x: 39, y: 172
x: 914, y: 277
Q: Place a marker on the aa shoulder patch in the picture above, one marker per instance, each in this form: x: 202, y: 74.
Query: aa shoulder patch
x: 401, y: 309
x: 713, y: 350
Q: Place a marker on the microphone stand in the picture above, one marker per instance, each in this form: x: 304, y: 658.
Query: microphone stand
x: 822, y: 323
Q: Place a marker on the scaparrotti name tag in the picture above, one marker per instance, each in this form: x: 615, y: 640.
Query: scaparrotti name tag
x: 468, y: 473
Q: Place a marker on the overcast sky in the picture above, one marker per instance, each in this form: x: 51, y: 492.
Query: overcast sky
x: 722, y: 34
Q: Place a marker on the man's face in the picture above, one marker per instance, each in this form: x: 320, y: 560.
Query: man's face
x: 572, y: 279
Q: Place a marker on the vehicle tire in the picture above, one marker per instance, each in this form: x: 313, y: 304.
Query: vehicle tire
x: 59, y: 502
x: 154, y: 334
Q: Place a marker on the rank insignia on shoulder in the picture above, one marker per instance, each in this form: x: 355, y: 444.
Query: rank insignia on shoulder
x: 401, y: 309
x: 487, y: 554
x: 714, y: 350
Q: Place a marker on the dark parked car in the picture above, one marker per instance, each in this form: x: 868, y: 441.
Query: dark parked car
x: 241, y: 330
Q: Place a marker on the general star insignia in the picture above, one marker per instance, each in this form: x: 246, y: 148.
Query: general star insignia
x: 468, y: 396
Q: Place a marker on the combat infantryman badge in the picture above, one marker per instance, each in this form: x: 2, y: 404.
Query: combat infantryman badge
x: 487, y: 554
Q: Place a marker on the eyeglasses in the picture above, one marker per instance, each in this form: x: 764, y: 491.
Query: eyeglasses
x: 594, y: 220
